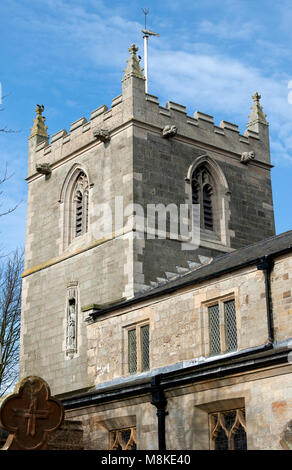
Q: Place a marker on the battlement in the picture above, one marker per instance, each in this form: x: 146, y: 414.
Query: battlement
x: 199, y: 128
x: 171, y: 121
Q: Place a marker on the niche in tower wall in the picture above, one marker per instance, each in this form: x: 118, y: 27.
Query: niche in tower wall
x: 71, y: 319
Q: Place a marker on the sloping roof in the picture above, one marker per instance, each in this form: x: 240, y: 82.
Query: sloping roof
x: 249, y: 255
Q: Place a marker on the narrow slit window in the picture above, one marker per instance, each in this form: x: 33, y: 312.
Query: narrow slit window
x: 132, y: 351
x: 230, y: 326
x: 144, y: 348
x: 214, y: 330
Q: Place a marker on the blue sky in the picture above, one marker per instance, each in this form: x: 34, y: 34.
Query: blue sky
x: 211, y: 56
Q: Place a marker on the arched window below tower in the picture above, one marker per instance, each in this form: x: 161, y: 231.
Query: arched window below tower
x: 79, y: 206
x: 75, y: 206
x: 203, y: 194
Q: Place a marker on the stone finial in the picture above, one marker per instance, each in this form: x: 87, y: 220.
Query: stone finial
x: 133, y: 68
x: 39, y: 127
x: 257, y: 115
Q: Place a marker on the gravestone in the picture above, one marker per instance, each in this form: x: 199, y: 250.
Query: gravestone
x: 29, y: 414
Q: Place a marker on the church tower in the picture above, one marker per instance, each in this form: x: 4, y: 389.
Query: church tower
x: 95, y: 195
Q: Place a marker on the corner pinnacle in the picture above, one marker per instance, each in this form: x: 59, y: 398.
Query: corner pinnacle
x: 39, y: 127
x: 257, y: 115
x: 133, y: 68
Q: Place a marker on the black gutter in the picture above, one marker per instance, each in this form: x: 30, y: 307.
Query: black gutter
x: 172, y: 288
x: 264, y: 356
x: 266, y: 265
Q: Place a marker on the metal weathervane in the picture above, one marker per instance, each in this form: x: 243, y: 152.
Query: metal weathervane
x: 147, y: 33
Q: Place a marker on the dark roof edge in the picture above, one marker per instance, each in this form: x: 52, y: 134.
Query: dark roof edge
x: 168, y: 289
x: 262, y: 356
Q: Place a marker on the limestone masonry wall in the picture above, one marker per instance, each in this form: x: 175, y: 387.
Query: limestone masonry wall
x: 179, y: 322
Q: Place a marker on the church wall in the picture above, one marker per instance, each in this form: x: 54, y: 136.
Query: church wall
x: 163, y: 166
x: 179, y: 325
x: 99, y: 420
x: 266, y: 396
x: 43, y: 336
x: 102, y: 266
x: 281, y: 297
x: 124, y: 155
x: 109, y: 169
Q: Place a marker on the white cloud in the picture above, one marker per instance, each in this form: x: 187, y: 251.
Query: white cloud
x: 224, y: 86
x: 237, y: 29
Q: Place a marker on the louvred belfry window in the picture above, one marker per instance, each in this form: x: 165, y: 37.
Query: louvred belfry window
x: 207, y: 207
x: 202, y: 193
x: 80, y: 206
x: 79, y: 215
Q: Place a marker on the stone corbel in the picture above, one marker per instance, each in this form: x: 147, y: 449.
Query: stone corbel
x: 247, y: 157
x: 43, y: 168
x: 169, y: 131
x: 102, y: 134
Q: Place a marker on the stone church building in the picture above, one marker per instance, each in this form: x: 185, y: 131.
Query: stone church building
x: 150, y: 339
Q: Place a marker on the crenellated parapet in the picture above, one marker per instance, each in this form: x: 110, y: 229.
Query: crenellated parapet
x: 171, y: 122
x: 201, y: 129
x: 82, y: 134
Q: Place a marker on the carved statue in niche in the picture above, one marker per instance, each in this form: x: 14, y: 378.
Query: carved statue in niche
x: 71, y: 333
x: 71, y: 327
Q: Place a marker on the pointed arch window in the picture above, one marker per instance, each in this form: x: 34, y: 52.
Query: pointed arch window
x: 202, y: 193
x: 79, y: 206
x: 75, y: 205
x: 228, y: 430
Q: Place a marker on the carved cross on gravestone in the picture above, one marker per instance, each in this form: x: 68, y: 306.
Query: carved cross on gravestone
x: 30, y: 414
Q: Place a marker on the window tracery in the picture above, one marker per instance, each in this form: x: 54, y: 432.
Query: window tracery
x: 228, y: 430
x: 123, y: 439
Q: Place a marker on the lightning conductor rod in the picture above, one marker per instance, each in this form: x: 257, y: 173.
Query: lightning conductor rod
x: 146, y: 33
